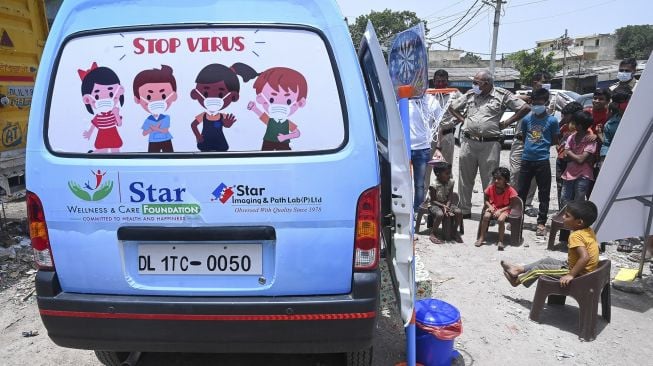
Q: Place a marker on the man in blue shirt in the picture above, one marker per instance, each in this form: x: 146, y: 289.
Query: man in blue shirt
x: 540, y: 131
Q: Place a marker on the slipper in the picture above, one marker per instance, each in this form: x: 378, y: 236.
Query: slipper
x: 436, y: 240
x: 636, y: 257
x: 479, y: 243
x: 500, y: 246
x: 513, y: 280
x: 624, y: 246
x: 541, y: 230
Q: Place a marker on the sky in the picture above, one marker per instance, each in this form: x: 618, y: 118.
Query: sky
x: 523, y: 22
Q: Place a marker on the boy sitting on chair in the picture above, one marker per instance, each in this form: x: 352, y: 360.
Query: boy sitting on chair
x: 582, y: 256
x: 440, y: 195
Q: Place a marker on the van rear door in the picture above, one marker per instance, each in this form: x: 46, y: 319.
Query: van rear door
x: 396, y: 193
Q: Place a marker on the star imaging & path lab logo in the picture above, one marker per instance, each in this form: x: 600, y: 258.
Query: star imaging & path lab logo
x: 93, y: 189
x: 222, y: 193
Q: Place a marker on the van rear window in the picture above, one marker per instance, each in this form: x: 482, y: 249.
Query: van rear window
x: 196, y: 90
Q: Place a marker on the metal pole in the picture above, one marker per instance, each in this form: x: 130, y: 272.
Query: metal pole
x: 564, y: 61
x: 495, y: 35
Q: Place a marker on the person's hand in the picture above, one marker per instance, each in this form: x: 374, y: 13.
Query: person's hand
x: 200, y: 139
x: 599, y: 128
x: 591, y: 137
x: 250, y: 105
x: 438, y: 155
x: 229, y: 120
x: 564, y: 280
x: 281, y: 137
x: 87, y: 134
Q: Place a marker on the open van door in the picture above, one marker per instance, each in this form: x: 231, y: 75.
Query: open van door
x: 396, y: 185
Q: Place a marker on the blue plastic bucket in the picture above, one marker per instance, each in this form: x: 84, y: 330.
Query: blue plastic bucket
x: 437, y: 325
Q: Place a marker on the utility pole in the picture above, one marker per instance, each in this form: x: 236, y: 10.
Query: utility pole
x: 449, y: 44
x: 564, y: 61
x: 495, y: 34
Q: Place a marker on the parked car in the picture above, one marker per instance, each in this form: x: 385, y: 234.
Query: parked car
x: 586, y: 100
x: 233, y: 240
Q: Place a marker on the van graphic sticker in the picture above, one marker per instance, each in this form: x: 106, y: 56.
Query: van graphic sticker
x: 216, y: 87
x: 103, y: 95
x: 92, y: 191
x: 281, y: 92
x: 155, y: 90
x: 195, y: 91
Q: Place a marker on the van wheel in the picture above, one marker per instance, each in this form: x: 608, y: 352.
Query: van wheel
x: 110, y: 358
x: 360, y: 358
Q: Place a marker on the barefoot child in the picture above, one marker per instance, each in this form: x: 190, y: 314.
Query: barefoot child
x: 497, y: 204
x: 440, y: 195
x: 582, y: 256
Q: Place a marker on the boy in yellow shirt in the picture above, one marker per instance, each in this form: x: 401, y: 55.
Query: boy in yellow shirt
x: 582, y: 256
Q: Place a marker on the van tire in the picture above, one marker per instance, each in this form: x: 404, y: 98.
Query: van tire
x: 110, y: 358
x: 360, y: 358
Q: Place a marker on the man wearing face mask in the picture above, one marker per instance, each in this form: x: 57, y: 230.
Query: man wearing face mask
x: 620, y: 99
x: 626, y: 75
x: 155, y: 90
x: 481, y: 141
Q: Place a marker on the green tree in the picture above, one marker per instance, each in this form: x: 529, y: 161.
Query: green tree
x: 470, y: 58
x: 529, y: 63
x: 634, y: 41
x: 387, y: 24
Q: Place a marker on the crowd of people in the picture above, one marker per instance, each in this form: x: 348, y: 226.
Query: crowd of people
x: 582, y: 139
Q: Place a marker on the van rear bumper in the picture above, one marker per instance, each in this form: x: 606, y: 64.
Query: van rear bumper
x: 293, y: 324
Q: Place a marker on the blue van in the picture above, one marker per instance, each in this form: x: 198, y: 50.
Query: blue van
x: 215, y: 176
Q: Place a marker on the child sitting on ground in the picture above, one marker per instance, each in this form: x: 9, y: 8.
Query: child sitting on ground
x: 497, y: 204
x: 582, y: 256
x: 440, y: 194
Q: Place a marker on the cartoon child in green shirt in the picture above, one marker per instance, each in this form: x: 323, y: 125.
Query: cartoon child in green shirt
x: 281, y: 91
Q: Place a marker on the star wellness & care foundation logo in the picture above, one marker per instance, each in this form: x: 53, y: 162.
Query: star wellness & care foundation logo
x: 94, y: 189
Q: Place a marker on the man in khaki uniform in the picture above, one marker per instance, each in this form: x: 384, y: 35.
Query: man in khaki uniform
x: 480, y: 146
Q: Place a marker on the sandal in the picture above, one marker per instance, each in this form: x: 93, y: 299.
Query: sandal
x: 513, y: 280
x: 541, y: 230
x: 624, y: 246
x: 435, y: 240
x: 636, y: 257
x: 478, y: 243
x: 500, y: 246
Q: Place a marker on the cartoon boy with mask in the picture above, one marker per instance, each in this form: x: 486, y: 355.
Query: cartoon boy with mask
x: 281, y: 91
x: 217, y: 86
x: 103, y: 96
x: 155, y: 90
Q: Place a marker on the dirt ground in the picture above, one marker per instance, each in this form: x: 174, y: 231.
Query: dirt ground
x: 496, y: 327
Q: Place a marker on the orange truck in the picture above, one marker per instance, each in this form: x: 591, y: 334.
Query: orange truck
x: 23, y: 30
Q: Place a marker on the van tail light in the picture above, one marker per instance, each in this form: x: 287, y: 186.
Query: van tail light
x: 366, y: 243
x: 38, y: 232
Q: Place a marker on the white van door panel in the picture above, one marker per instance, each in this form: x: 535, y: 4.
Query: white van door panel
x: 402, y: 253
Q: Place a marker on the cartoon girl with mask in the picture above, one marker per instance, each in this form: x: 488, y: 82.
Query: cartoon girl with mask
x: 103, y: 96
x: 281, y: 92
x: 216, y: 87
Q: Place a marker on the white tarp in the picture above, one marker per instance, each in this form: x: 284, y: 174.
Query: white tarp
x: 624, y: 190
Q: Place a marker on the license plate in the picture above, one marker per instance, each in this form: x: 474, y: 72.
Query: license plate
x: 200, y: 259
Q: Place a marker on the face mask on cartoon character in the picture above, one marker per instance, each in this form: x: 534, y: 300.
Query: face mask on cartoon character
x: 279, y: 112
x: 213, y: 105
x: 156, y: 107
x: 104, y: 105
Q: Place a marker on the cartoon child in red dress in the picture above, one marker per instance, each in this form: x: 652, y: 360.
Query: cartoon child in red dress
x: 101, y: 92
x: 281, y: 91
x: 216, y: 87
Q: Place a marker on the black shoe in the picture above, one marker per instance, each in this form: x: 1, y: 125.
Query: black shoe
x: 467, y: 216
x: 532, y: 212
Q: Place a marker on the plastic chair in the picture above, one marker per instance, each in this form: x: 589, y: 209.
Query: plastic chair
x: 515, y: 219
x: 587, y: 290
x: 556, y: 225
x: 448, y: 223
